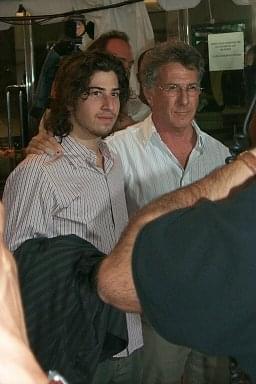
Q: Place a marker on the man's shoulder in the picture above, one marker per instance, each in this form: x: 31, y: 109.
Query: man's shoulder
x: 213, y: 142
x: 133, y: 133
x: 130, y: 131
x: 34, y: 165
x: 28, y: 173
x: 36, y: 162
x: 209, y: 141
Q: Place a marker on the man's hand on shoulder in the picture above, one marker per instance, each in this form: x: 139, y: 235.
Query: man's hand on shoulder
x: 42, y: 143
x: 123, y: 122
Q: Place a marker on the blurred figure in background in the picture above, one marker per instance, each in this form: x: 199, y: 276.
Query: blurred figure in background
x: 74, y: 29
x: 250, y: 74
x: 250, y: 89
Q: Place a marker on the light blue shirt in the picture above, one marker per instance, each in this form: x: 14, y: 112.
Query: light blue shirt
x: 151, y: 169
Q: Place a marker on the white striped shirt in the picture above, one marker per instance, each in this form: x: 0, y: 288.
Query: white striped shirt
x: 151, y: 169
x: 69, y: 195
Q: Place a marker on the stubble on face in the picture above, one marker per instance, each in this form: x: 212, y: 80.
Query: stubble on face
x: 95, y: 116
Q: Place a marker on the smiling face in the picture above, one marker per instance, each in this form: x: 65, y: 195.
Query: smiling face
x: 173, y: 111
x: 96, y: 112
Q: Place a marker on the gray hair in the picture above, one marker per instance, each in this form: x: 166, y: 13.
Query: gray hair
x: 169, y: 52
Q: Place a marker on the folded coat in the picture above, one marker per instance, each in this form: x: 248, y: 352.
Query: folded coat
x: 69, y: 328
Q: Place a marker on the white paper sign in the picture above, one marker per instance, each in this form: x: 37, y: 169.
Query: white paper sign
x: 174, y: 5
x: 226, y: 51
x: 244, y: 2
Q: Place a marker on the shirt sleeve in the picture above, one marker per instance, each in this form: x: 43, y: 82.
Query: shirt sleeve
x: 28, y: 200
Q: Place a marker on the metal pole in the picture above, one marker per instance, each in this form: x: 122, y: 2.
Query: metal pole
x: 9, y: 134
x: 183, y: 25
x: 186, y: 26
x: 22, y: 139
x: 29, y: 72
x: 29, y: 60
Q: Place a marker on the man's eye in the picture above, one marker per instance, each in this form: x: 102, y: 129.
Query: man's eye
x: 193, y: 87
x: 96, y: 93
x: 115, y: 93
x: 172, y: 87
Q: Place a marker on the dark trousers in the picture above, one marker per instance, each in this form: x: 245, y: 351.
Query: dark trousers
x: 124, y: 370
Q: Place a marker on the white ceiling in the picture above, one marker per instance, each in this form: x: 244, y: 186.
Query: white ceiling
x: 172, y: 5
x: 41, y: 7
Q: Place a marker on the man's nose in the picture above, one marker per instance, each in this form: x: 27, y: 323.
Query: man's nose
x: 108, y: 102
x: 183, y: 96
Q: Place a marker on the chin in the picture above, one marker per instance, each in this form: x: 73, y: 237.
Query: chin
x: 106, y: 131
x: 184, y: 122
x: 181, y: 124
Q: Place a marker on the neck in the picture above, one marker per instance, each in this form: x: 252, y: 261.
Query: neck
x: 92, y: 144
x: 164, y: 128
x: 179, y: 141
x: 180, y: 134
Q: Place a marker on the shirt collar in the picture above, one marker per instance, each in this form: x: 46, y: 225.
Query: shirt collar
x: 79, y: 154
x: 148, y: 129
x: 200, y: 141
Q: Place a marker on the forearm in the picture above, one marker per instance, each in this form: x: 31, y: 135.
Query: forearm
x: 115, y: 281
x: 216, y: 186
x: 17, y: 362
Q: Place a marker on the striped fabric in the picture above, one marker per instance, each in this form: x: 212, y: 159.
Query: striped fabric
x: 62, y: 308
x: 151, y: 169
x: 69, y: 195
x: 46, y: 197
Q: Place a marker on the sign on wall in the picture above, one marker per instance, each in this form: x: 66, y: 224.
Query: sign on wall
x: 226, y: 51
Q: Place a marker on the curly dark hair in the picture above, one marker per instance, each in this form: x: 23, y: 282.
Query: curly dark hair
x: 72, y: 80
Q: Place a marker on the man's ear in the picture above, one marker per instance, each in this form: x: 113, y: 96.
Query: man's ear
x: 149, y: 93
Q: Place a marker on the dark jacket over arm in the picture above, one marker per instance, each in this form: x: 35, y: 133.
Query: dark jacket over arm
x: 70, y: 329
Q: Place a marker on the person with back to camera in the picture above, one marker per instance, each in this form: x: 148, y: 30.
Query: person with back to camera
x: 205, y: 294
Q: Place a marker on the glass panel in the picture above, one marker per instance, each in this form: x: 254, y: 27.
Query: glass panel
x: 15, y: 127
x: 222, y: 106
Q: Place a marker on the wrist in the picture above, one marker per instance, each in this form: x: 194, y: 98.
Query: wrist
x: 55, y: 378
x: 249, y: 160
